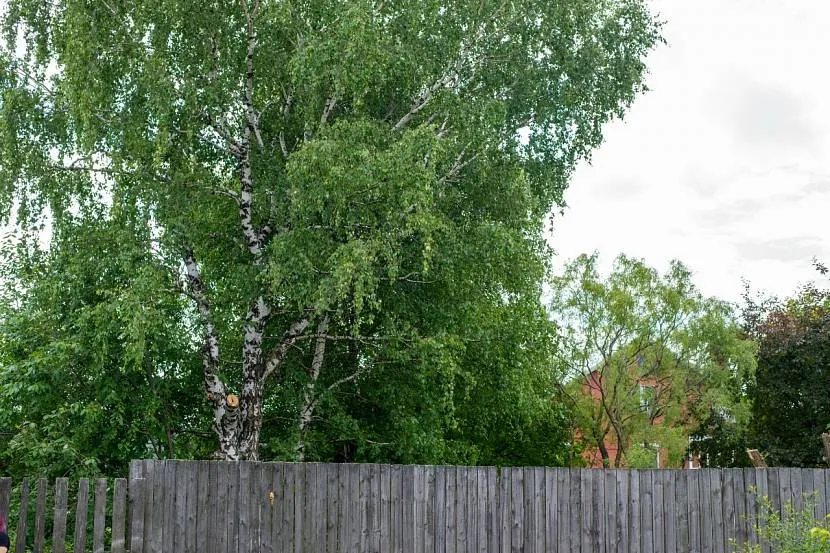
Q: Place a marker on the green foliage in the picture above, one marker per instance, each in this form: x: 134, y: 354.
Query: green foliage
x: 789, y: 530
x: 94, y: 365
x: 385, y: 167
x: 791, y: 392
x: 647, y: 356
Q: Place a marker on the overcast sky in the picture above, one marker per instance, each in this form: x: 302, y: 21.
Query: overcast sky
x: 725, y: 163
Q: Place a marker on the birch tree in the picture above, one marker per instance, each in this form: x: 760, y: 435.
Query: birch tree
x: 302, y: 165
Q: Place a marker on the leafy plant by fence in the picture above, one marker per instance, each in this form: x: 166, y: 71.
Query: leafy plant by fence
x: 219, y: 507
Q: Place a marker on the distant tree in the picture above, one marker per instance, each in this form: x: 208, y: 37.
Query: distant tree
x: 647, y: 356
x: 337, y: 188
x: 791, y: 393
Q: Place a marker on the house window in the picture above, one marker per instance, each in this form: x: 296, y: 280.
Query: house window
x: 648, y: 396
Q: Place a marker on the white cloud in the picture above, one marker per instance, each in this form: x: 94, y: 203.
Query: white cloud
x: 725, y: 164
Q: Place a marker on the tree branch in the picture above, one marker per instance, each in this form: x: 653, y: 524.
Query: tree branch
x: 277, y: 355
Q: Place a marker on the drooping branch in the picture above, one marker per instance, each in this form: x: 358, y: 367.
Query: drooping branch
x: 458, y: 165
x: 449, y: 78
x: 235, y: 147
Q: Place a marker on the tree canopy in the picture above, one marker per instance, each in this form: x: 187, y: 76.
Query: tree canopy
x: 647, y: 357
x: 335, y: 207
x: 791, y: 392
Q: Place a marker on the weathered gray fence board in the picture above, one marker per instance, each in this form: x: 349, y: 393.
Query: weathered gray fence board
x: 40, y: 516
x: 22, y: 519
x: 99, y: 516
x: 81, y: 509
x: 681, y: 506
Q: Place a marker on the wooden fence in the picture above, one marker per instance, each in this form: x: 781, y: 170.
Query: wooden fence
x: 213, y: 507
x: 53, y: 525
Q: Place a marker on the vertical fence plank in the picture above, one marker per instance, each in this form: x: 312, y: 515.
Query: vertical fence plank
x: 180, y: 512
x: 333, y: 507
x: 608, y: 510
x: 505, y: 520
x: 681, y: 505
x: 216, y: 497
x: 354, y: 508
x: 551, y: 519
x: 203, y: 492
x: 597, y: 516
x: 156, y: 533
x: 762, y: 481
x: 669, y: 510
x: 40, y: 516
x: 385, y: 544
x: 343, y: 511
x: 429, y: 499
x: 397, y: 509
x: 275, y: 480
x: 374, y: 508
x: 227, y: 509
x: 529, y: 506
x: 751, y: 488
x: 5, y: 495
x: 634, y: 528
x: 305, y: 502
x: 585, y: 545
x: 241, y: 506
x: 320, y: 509
x: 493, y: 530
x: 81, y: 511
x: 440, y: 509
x: 465, y: 511
x: 364, y: 500
x: 740, y: 507
x: 289, y: 525
x: 191, y: 482
x: 646, y: 511
x: 694, y: 510
x: 59, y: 528
x: 541, y: 500
x: 621, y: 482
x: 658, y: 516
x: 715, y: 514
x: 168, y: 479
x: 460, y: 510
x: 730, y: 520
x: 822, y: 501
x: 451, y: 491
x: 119, y: 515
x: 795, y: 491
x: 706, y: 534
x: 563, y: 510
x: 137, y: 503
x: 99, y: 515
x: 517, y: 509
x: 785, y: 488
x: 23, y: 517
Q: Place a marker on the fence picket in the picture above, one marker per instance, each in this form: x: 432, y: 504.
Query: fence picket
x: 119, y: 515
x: 40, y: 515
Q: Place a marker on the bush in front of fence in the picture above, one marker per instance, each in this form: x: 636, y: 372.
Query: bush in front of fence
x: 789, y: 530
